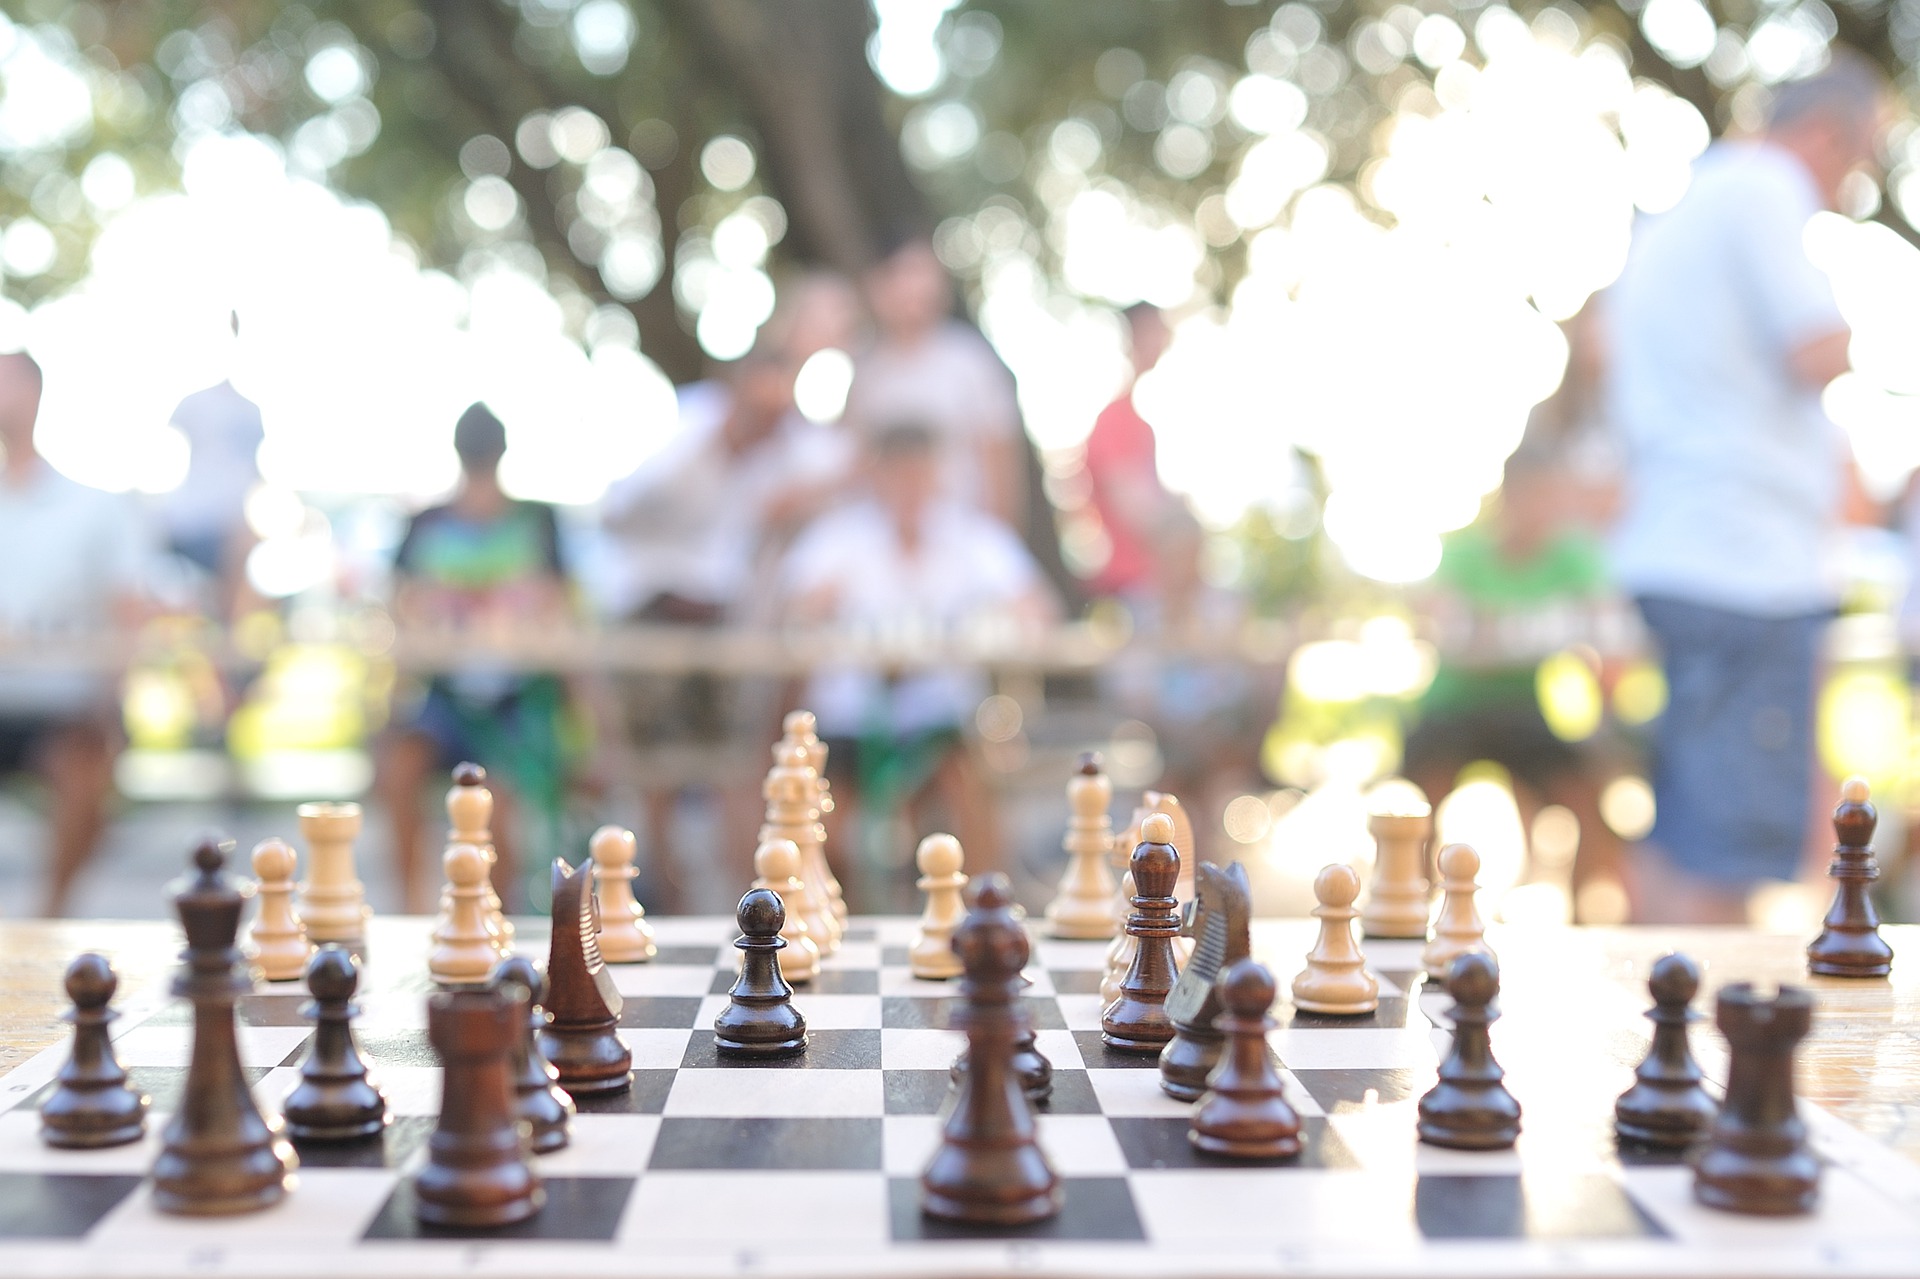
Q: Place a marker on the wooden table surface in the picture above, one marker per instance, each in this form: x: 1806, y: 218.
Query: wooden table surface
x: 1862, y: 1061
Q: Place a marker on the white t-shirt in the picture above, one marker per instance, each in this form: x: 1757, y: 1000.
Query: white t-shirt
x: 1734, y: 473
x: 953, y: 384
x: 967, y: 566
x: 690, y: 520
x: 224, y: 433
x: 67, y: 552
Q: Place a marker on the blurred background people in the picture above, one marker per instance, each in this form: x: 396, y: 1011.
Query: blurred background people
x: 205, y: 518
x: 1724, y: 334
x: 1122, y: 465
x: 904, y: 557
x: 481, y: 561
x: 72, y: 561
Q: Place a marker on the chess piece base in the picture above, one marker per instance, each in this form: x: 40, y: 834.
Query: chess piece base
x: 516, y: 1197
x: 1327, y: 1008
x: 1039, y: 1204
x: 1279, y: 1148
x: 1637, y: 1136
x: 1124, y: 1044
x: 246, y: 1180
x: 1771, y: 1188
x: 336, y: 1132
x: 1841, y: 955
x: 1457, y: 1136
x: 113, y: 1117
x: 588, y: 1066
x: 1185, y: 1062
x: 769, y: 1048
x: 934, y: 966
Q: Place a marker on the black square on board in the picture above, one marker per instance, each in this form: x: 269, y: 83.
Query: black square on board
x: 1338, y: 1091
x: 827, y: 982
x: 826, y: 1050
x: 1097, y: 1056
x: 1579, y: 1206
x: 685, y: 956
x: 396, y: 1142
x: 659, y: 1012
x: 1094, y: 1209
x: 767, y: 1145
x: 646, y: 1096
x: 921, y: 1012
x: 1390, y: 1015
x: 1163, y: 1143
x: 925, y: 1092
x: 162, y: 1084
x: 38, y: 1205
x: 578, y: 1209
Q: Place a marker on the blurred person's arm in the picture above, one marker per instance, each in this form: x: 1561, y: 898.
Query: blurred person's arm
x: 1792, y: 297
x: 1821, y: 360
x: 1000, y: 440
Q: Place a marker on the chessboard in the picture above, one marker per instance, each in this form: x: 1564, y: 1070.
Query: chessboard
x: 810, y: 1165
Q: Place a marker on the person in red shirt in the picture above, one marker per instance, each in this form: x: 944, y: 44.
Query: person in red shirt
x: 1120, y: 462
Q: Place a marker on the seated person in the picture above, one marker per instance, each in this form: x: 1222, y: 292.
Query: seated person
x: 481, y: 560
x: 901, y: 556
x: 74, y: 562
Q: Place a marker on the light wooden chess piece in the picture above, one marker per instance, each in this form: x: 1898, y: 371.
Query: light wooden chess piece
x: 333, y: 901
x: 278, y: 940
x: 1459, y: 930
x: 933, y: 958
x: 464, y: 950
x: 625, y: 935
x: 1336, y: 979
x: 800, y: 726
x: 1400, y: 899
x: 1083, y: 909
x: 470, y: 821
x: 793, y: 813
x: 777, y: 863
x: 1120, y: 954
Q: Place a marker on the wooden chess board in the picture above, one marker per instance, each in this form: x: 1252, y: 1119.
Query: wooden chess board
x: 809, y: 1166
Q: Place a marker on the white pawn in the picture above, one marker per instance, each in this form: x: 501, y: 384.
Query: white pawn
x: 464, y: 949
x: 1336, y: 979
x: 801, y: 727
x: 278, y: 940
x: 933, y: 957
x: 470, y: 821
x: 1459, y: 930
x: 625, y: 935
x: 777, y: 863
x: 1084, y: 907
x: 792, y: 794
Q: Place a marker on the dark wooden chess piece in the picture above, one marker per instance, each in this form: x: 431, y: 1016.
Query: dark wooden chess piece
x: 989, y: 1168
x: 537, y: 1095
x: 1667, y: 1108
x: 219, y: 1154
x: 479, y: 1169
x: 334, y: 1100
x: 583, y: 1006
x: 91, y: 1105
x: 1136, y: 1021
x: 1850, y: 945
x: 1218, y: 919
x: 1470, y: 1109
x: 1756, y: 1159
x: 1029, y: 1064
x: 1244, y: 1114
x: 760, y: 1019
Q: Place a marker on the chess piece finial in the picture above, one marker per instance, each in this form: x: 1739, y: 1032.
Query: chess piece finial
x: 277, y: 940
x: 1243, y: 1114
x: 625, y: 935
x: 583, y: 1003
x: 1459, y: 930
x: 989, y: 1167
x: 1400, y: 898
x: 1083, y: 907
x: 479, y: 1170
x: 931, y: 957
x: 1219, y: 921
x: 760, y: 1019
x: 220, y: 1155
x: 1336, y: 981
x: 777, y: 864
x: 333, y: 901
x: 1756, y: 1159
x: 1850, y: 944
x: 1470, y: 1108
x: 1667, y: 1108
x: 1137, y: 1020
x: 91, y: 1104
x: 464, y: 949
x: 335, y: 1099
x: 538, y: 1098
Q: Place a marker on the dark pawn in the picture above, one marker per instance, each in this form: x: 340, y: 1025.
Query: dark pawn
x: 989, y: 1168
x: 583, y: 1006
x: 219, y: 1154
x: 537, y: 1095
x: 1218, y: 920
x: 334, y: 1100
x: 91, y: 1105
x: 760, y: 1019
x: 1667, y: 1109
x: 479, y: 1170
x: 1244, y: 1112
x: 1850, y: 945
x: 1136, y: 1021
x: 1756, y: 1158
x: 1030, y: 1065
x: 1470, y: 1108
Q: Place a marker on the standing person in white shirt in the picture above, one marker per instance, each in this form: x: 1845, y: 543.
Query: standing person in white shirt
x: 930, y: 368
x: 72, y: 560
x: 903, y: 558
x: 1724, y: 335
